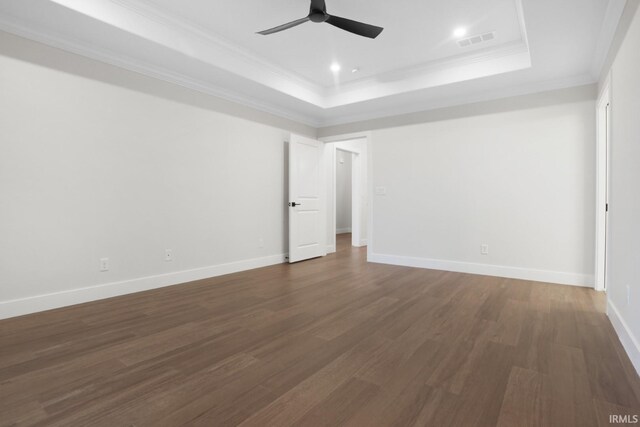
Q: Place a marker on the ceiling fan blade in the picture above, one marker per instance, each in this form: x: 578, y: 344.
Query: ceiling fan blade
x: 355, y: 27
x: 284, y: 26
x: 318, y: 5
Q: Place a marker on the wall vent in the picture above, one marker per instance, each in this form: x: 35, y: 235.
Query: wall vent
x: 480, y: 38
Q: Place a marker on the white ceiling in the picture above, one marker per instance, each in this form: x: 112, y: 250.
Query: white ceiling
x: 416, y: 32
x: 415, y: 64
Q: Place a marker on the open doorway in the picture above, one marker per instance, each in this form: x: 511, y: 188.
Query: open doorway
x: 344, y: 198
x: 344, y: 191
x: 347, y: 193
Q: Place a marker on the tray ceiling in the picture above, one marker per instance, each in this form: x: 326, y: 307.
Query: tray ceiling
x: 416, y: 63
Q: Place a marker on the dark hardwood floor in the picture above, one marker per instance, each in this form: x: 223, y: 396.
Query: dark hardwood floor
x: 332, y: 341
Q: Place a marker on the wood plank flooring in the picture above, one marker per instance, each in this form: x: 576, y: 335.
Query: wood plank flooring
x: 328, y: 342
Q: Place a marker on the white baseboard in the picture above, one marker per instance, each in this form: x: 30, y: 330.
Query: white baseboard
x: 343, y: 230
x: 19, y: 307
x: 629, y: 342
x: 331, y: 249
x: 573, y: 279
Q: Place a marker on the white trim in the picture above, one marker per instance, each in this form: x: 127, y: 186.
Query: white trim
x: 603, y: 141
x: 343, y: 230
x: 155, y: 21
x: 346, y: 137
x: 156, y: 13
x: 332, y: 214
x: 428, y: 104
x: 133, y: 17
x: 607, y: 34
x: 336, y: 95
x: 19, y: 307
x: 331, y: 249
x: 429, y: 77
x: 144, y: 19
x: 132, y: 64
x: 523, y: 24
x: 79, y: 47
x: 573, y: 279
x: 629, y: 342
x: 357, y: 206
x: 357, y: 191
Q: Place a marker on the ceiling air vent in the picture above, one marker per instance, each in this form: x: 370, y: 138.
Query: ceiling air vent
x: 473, y: 40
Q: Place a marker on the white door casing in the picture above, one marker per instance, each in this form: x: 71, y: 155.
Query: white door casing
x: 602, y: 199
x: 357, y: 146
x: 307, y: 202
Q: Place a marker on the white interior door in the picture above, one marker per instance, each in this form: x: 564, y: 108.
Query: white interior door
x: 307, y: 204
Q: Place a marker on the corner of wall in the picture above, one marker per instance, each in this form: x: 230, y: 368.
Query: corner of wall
x: 557, y: 277
x: 628, y: 14
x: 629, y: 342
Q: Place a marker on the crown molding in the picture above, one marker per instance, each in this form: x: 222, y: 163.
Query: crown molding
x: 178, y: 36
x: 143, y: 19
x: 361, y: 121
x: 443, y: 65
x: 135, y: 65
x: 488, y: 54
x: 149, y: 11
x: 524, y: 36
x: 615, y: 8
x: 486, y: 62
x: 152, y: 11
x: 502, y: 59
x: 118, y: 60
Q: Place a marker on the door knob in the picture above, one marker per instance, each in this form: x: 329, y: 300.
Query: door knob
x: 294, y: 204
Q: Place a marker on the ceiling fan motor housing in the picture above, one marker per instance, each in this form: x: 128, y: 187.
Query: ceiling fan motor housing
x: 318, y: 16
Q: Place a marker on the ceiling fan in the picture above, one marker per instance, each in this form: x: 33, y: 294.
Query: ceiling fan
x: 318, y: 13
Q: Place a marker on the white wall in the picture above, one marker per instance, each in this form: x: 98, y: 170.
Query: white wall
x: 623, y: 270
x: 343, y: 191
x: 521, y: 181
x: 91, y: 170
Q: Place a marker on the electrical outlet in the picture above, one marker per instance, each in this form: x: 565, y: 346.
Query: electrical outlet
x: 628, y: 295
x: 381, y: 191
x: 484, y: 249
x: 104, y: 264
x: 168, y: 255
x: 261, y: 242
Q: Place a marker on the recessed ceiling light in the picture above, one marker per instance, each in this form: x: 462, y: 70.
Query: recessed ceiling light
x: 460, y: 32
x: 335, y: 67
x: 355, y: 70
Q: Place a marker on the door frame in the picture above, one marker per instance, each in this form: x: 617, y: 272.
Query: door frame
x: 355, y: 200
x: 361, y: 192
x: 603, y: 149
